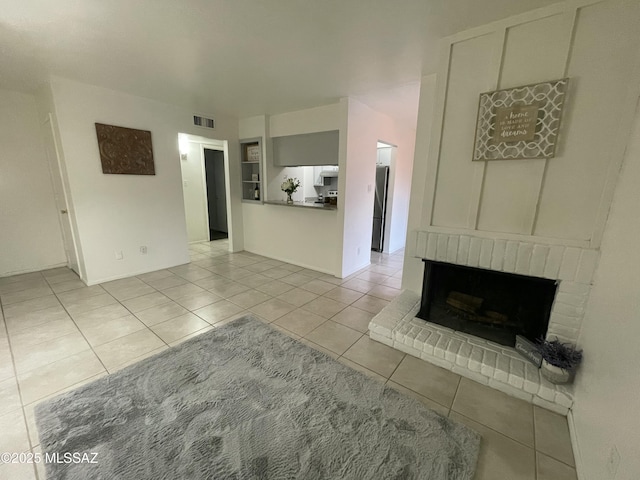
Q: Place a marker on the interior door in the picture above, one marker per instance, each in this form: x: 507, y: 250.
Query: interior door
x: 60, y: 194
x: 216, y: 190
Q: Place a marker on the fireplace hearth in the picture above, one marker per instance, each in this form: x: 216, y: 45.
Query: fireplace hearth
x: 492, y: 305
x: 569, y: 270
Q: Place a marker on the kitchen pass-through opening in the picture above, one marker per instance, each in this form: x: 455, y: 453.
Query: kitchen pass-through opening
x: 495, y: 306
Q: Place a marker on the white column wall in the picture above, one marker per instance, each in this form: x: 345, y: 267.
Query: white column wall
x: 365, y: 127
x: 605, y: 414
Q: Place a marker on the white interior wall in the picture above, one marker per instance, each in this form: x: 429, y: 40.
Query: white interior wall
x: 318, y: 119
x: 357, y: 182
x: 46, y: 108
x: 296, y: 235
x: 31, y: 237
x: 330, y: 243
x: 412, y: 267
x: 301, y: 236
x: 400, y: 191
x: 123, y: 212
x: 605, y: 413
x: 359, y: 186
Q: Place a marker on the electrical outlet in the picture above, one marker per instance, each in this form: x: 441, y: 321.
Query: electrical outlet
x: 613, y: 461
x: 119, y: 255
x: 358, y: 251
x: 369, y: 187
x: 143, y: 249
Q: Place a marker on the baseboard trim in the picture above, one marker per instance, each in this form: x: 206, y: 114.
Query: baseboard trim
x: 391, y: 252
x: 356, y: 270
x: 32, y: 270
x: 133, y: 274
x: 298, y: 264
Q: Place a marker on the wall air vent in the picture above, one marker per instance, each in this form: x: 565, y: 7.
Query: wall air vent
x: 205, y: 122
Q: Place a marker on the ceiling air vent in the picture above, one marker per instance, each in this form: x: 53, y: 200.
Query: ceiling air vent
x: 205, y: 122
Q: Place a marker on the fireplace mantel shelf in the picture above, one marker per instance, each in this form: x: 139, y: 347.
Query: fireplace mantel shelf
x: 486, y: 362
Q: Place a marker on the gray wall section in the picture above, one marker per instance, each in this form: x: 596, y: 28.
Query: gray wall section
x: 320, y: 148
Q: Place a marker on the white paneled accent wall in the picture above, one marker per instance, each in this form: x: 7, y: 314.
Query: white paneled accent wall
x: 538, y: 217
x: 564, y: 198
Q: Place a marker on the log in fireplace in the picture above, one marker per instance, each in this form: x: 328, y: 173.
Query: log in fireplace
x: 493, y: 305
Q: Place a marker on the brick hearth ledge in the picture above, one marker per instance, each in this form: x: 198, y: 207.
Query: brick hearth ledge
x: 485, y: 362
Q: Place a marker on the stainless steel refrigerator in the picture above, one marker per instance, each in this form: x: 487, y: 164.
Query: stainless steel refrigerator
x: 379, y: 208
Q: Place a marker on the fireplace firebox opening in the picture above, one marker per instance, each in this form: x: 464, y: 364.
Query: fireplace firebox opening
x: 492, y: 305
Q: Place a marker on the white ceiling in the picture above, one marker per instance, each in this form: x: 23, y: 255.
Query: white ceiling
x: 242, y: 57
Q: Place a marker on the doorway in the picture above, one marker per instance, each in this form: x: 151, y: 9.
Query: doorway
x: 382, y: 197
x: 60, y: 194
x: 206, y: 188
x: 216, y: 194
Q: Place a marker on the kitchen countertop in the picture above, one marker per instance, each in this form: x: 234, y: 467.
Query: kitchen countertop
x: 316, y: 206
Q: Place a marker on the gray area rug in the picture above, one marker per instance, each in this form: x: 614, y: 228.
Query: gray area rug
x: 247, y: 402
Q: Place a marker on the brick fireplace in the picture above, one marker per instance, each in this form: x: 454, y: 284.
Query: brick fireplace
x: 486, y: 361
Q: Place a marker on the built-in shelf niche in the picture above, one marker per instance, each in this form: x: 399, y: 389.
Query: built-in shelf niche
x: 251, y: 166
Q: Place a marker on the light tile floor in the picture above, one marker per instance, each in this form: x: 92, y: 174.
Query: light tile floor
x: 56, y: 334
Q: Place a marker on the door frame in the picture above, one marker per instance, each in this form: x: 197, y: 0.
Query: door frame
x: 70, y: 244
x: 223, y: 146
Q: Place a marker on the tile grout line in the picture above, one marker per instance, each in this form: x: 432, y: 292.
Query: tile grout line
x: 535, y: 443
x: 91, y: 347
x: 455, y: 395
x: 80, y: 331
x: 398, y: 366
x: 119, y: 302
x: 17, y: 384
x: 499, y: 433
x: 420, y: 394
x: 160, y: 291
x: 147, y: 326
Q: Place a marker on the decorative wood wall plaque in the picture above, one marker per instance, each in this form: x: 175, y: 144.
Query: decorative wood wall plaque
x: 521, y: 122
x: 125, y: 150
